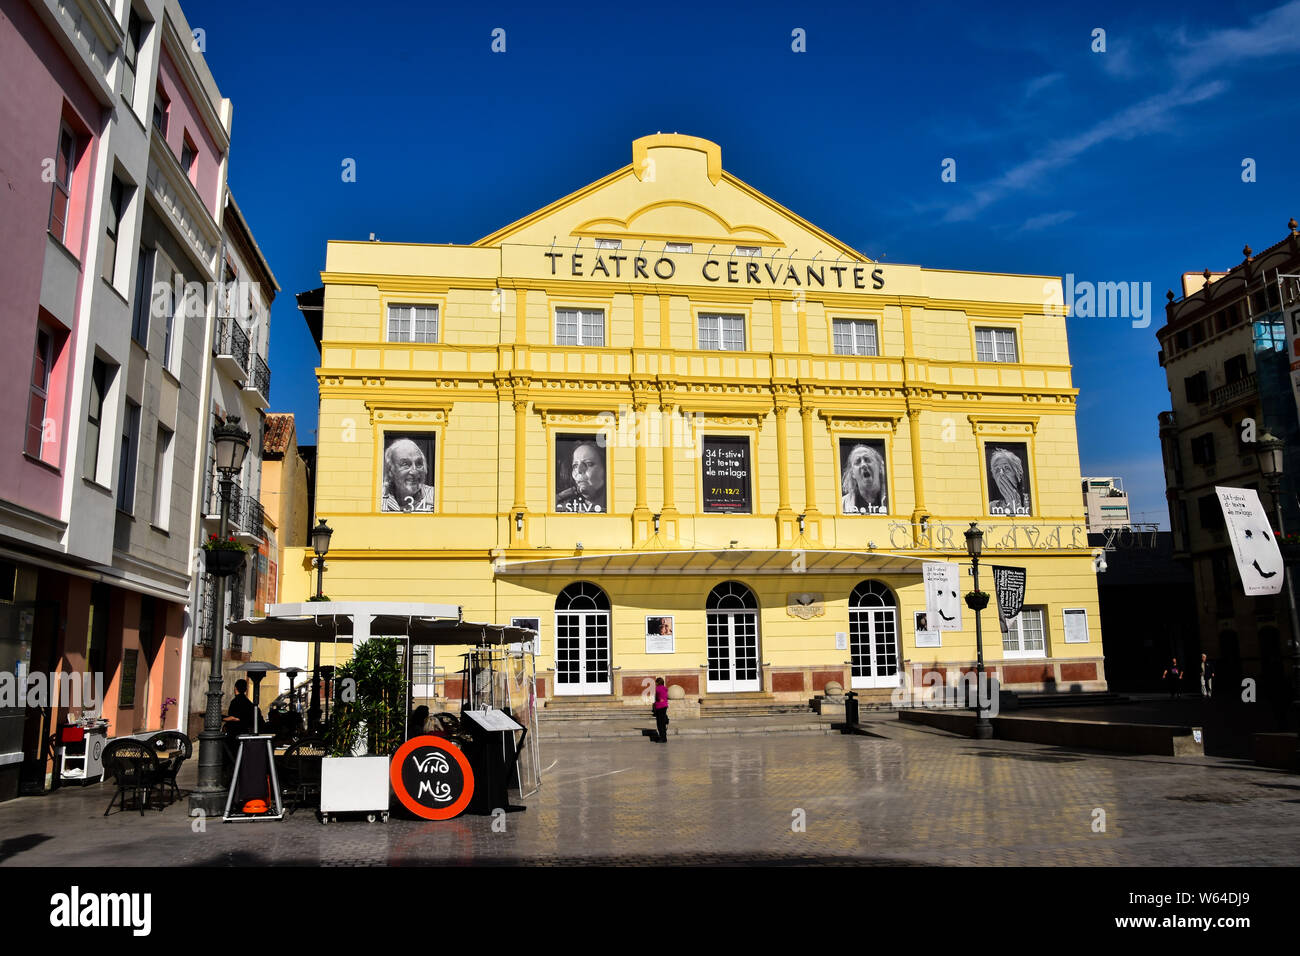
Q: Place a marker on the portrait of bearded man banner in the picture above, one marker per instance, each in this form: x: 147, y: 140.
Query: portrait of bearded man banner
x: 1007, y: 465
x: 408, y: 474
x: 863, y: 484
x: 579, y: 475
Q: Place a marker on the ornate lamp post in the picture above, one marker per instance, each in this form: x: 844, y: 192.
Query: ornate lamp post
x: 320, y: 543
x: 1268, y: 450
x: 231, y: 443
x: 975, y: 545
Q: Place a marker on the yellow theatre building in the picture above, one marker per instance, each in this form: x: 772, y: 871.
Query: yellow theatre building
x: 685, y: 433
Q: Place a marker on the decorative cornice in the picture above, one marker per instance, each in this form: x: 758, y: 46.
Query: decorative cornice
x: 998, y: 426
x: 388, y: 411
x: 841, y: 421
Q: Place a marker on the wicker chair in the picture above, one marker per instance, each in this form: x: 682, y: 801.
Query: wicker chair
x: 164, y: 743
x: 134, y: 768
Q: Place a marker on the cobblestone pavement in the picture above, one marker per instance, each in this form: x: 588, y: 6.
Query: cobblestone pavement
x: 911, y: 796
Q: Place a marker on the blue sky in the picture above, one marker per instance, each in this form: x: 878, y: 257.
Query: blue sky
x: 1123, y: 165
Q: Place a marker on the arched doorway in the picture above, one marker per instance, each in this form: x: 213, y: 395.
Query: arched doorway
x: 732, y: 617
x: 873, y: 636
x: 582, y: 640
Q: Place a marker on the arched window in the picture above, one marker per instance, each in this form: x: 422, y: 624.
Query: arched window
x: 872, y: 594
x: 582, y: 596
x: 731, y: 596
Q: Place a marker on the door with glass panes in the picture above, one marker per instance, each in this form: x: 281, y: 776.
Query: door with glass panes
x: 582, y: 641
x: 732, y: 625
x: 873, y: 636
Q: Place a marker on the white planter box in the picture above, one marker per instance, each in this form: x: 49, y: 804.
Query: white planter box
x: 354, y: 785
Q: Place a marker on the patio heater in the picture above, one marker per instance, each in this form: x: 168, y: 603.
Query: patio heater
x: 320, y: 543
x: 1269, y: 452
x: 231, y: 443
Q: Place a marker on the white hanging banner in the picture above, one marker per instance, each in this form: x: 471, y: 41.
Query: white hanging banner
x: 942, y: 604
x: 1259, y: 559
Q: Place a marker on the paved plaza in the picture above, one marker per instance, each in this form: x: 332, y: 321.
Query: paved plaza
x: 911, y: 796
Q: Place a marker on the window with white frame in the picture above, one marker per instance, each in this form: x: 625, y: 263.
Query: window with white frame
x: 579, y: 326
x: 162, y: 478
x: 747, y: 251
x: 855, y: 337
x: 1026, y: 635
x: 609, y: 243
x: 682, y: 247
x: 722, y: 332
x: 995, y: 345
x: 412, y: 323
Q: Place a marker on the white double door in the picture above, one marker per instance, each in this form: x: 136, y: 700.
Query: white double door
x: 733, y: 651
x: 582, y: 653
x: 873, y: 647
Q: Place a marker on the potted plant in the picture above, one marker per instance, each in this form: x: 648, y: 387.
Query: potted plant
x: 364, y: 731
x: 223, y: 558
x: 977, y: 600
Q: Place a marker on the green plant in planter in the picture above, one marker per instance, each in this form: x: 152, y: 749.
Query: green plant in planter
x: 215, y: 543
x: 977, y: 600
x: 370, y: 708
x: 318, y: 597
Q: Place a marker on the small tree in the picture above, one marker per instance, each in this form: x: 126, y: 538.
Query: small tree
x: 370, y: 708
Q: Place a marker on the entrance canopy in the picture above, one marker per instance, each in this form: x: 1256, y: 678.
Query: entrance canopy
x: 718, y: 561
x: 424, y: 624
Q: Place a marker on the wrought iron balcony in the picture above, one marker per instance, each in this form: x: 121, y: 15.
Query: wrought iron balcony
x: 231, y: 349
x: 259, y: 383
x: 1243, y: 388
x: 244, y: 513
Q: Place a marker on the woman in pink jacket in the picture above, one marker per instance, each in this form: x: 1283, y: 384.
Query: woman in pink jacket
x: 661, y: 710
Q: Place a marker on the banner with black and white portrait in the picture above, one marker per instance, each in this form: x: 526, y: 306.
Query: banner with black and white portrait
x: 408, y: 473
x: 864, y: 485
x: 580, y: 474
x: 1259, y: 559
x: 1006, y: 465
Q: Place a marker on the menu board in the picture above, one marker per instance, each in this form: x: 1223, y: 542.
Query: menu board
x: 726, y: 475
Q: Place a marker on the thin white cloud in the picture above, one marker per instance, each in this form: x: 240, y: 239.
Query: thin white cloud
x: 1143, y: 117
x: 1275, y: 33
x: 1047, y: 220
x: 1040, y: 83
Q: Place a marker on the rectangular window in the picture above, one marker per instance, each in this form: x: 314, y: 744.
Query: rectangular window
x: 1203, y: 449
x: 579, y: 326
x: 1197, y: 388
x: 162, y: 107
x: 722, y: 332
x: 188, y: 157
x: 126, y: 464
x: 131, y: 55
x: 100, y: 380
x: 995, y: 345
x: 682, y: 247
x: 747, y: 251
x: 40, y: 392
x: 61, y: 198
x: 412, y: 323
x: 609, y: 243
x: 117, y: 198
x: 855, y: 337
x: 1211, y: 514
x: 1234, y: 370
x: 1025, y: 635
x: 162, y: 479
x: 143, y: 297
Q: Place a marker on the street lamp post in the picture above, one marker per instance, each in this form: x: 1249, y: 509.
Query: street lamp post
x: 320, y: 543
x: 1269, y: 451
x: 974, y: 545
x: 209, y: 795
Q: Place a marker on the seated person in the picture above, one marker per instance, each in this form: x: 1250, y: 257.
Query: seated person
x: 240, y: 719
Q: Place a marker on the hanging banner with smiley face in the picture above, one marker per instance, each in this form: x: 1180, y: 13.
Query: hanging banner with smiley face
x: 1259, y: 559
x: 942, y: 605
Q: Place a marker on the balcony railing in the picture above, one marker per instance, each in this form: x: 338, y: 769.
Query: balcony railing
x: 245, y: 512
x: 259, y: 379
x: 232, y: 344
x: 1227, y: 394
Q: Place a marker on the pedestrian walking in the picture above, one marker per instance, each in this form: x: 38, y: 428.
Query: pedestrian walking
x: 1173, y: 677
x: 661, y: 710
x: 1207, y: 676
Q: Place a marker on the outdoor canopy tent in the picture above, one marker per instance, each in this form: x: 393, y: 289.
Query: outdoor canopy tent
x: 423, y: 624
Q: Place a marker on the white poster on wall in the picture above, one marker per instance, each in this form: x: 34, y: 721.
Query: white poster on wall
x: 926, y: 635
x: 942, y: 603
x: 1259, y: 559
x: 1076, y: 625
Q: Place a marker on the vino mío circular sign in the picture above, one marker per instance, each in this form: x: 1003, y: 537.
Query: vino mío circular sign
x: 432, y: 778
